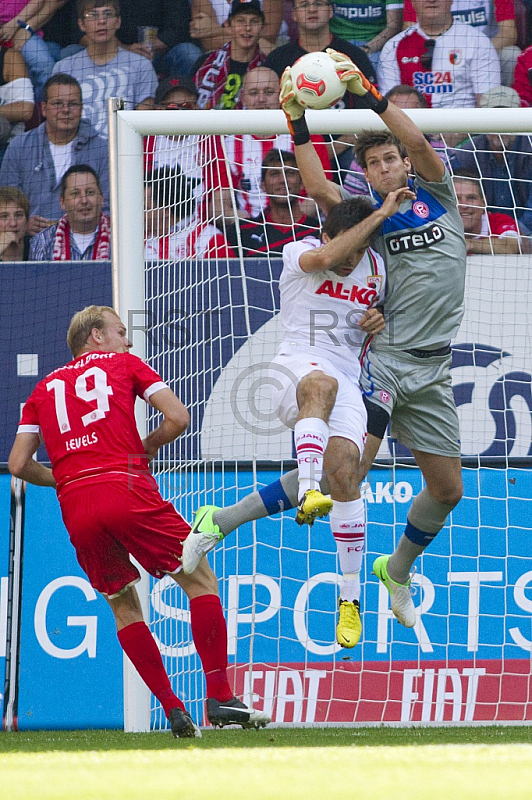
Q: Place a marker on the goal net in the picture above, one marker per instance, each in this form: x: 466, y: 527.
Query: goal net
x: 201, y: 211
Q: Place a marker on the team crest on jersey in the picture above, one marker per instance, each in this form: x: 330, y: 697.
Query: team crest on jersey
x: 455, y: 57
x: 374, y: 282
x: 420, y: 209
x: 384, y: 396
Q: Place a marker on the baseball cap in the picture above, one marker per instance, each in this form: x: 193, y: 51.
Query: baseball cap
x: 500, y: 97
x: 246, y: 7
x: 168, y: 85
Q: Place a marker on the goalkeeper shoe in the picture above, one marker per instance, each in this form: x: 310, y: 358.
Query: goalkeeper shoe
x: 234, y: 712
x: 182, y: 725
x: 203, y: 537
x: 400, y: 593
x: 313, y: 504
x: 349, y: 628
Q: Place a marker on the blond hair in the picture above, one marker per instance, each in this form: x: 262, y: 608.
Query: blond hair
x: 82, y: 324
x: 10, y: 194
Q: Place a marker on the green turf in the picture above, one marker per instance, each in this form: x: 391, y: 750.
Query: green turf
x: 42, y: 741
x: 289, y: 764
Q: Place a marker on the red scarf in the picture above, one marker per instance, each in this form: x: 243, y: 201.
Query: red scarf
x: 101, y: 250
x: 211, y: 77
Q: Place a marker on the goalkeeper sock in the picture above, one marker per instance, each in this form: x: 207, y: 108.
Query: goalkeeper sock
x: 139, y: 646
x: 272, y: 499
x: 209, y: 631
x: 426, y: 518
x: 278, y: 496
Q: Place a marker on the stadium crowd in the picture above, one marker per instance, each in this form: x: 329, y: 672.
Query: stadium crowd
x: 61, y: 59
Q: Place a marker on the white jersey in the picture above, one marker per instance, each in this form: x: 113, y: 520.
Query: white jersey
x: 463, y: 64
x: 321, y: 310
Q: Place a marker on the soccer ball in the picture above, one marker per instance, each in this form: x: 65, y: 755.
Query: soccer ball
x: 315, y: 81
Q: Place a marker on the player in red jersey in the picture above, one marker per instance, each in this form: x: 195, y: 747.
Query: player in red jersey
x: 112, y: 507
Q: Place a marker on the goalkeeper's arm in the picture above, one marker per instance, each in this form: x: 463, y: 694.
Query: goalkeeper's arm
x: 424, y: 158
x: 324, y: 192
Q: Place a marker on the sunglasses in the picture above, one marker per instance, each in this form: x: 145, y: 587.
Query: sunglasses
x: 186, y: 106
x: 427, y: 54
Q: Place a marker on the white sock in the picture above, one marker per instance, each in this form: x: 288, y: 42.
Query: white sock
x: 311, y: 436
x: 348, y: 525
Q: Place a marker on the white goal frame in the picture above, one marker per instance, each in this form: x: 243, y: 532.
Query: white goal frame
x: 126, y: 131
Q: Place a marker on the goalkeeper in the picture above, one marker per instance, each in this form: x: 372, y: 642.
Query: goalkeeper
x: 405, y: 374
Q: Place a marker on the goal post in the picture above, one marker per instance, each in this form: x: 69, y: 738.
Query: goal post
x: 203, y: 312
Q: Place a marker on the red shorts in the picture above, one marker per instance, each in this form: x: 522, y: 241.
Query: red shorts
x: 112, y: 516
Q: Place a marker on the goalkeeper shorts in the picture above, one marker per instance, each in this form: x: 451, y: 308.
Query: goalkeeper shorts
x: 418, y: 394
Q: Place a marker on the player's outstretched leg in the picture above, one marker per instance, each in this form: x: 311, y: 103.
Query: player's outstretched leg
x: 312, y: 506
x: 400, y: 593
x: 182, y: 725
x: 203, y: 537
x: 235, y: 712
x: 349, y: 628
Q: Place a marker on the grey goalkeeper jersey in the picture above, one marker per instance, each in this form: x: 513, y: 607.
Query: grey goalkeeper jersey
x: 424, y: 250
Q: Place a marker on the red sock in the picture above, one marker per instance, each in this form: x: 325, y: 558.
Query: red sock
x: 209, y: 632
x: 141, y: 649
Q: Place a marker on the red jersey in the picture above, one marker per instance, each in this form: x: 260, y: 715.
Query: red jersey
x: 84, y: 411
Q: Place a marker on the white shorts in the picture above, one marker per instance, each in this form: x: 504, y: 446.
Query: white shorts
x: 348, y: 418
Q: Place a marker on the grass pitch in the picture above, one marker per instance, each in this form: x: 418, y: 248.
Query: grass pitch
x: 289, y: 764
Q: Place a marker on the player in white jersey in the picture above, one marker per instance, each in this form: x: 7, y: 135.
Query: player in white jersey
x: 406, y: 372
x: 329, y: 297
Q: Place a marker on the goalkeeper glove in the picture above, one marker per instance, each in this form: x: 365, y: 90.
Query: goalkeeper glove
x: 357, y: 83
x: 294, y: 111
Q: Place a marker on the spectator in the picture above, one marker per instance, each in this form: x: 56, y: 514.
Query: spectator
x: 503, y: 161
x: 495, y: 18
x: 20, y: 23
x: 282, y: 220
x: 16, y: 96
x: 105, y: 69
x: 245, y: 153
x: 172, y: 52
x: 260, y: 89
x: 209, y: 28
x: 178, y: 93
x: 369, y: 25
x: 196, y: 156
x: 14, y: 213
x: 404, y: 97
x: 36, y: 161
x: 219, y: 78
x: 173, y: 229
x: 84, y: 232
x: 485, y: 232
x: 522, y: 77
x: 313, y: 21
x: 451, y: 63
